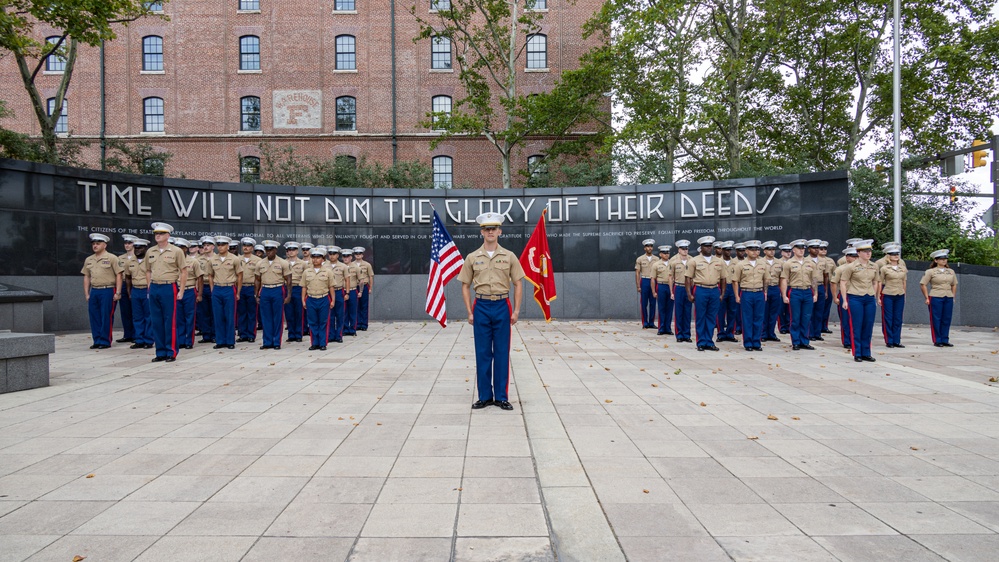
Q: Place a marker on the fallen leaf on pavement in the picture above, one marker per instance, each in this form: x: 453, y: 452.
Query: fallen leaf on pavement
x: 90, y: 476
x: 703, y: 404
x: 795, y: 418
x: 752, y: 437
x: 654, y: 385
x: 771, y: 417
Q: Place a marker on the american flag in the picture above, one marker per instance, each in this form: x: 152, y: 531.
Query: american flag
x: 445, y: 264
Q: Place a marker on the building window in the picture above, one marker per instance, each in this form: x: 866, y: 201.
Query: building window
x: 152, y: 115
x: 442, y: 172
x: 537, y: 4
x: 440, y: 52
x: 346, y: 114
x: 153, y: 167
x: 438, y: 5
x: 249, y: 169
x: 344, y: 6
x: 538, y: 169
x: 245, y: 5
x: 54, y: 63
x: 249, y: 114
x: 347, y: 160
x: 152, y: 53
x: 156, y: 6
x: 249, y: 52
x: 537, y: 51
x: 62, y: 124
x: 346, y: 56
x: 440, y: 104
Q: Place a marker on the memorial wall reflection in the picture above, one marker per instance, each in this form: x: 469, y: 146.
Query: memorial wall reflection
x: 45, y: 213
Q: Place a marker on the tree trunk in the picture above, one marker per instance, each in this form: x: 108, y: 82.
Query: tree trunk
x: 48, y: 122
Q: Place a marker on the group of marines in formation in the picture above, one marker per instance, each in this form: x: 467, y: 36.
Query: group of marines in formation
x: 177, y: 289
x: 732, y: 289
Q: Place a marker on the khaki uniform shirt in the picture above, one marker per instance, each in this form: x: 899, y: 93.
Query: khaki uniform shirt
x: 679, y: 267
x: 837, y: 275
x: 353, y: 271
x: 135, y: 270
x: 883, y: 261
x: 164, y: 265
x: 317, y: 284
x: 820, y: 269
x: 224, y: 271
x: 662, y: 272
x: 272, y: 272
x: 730, y: 270
x: 103, y: 270
x: 751, y: 275
x: 203, y: 260
x: 492, y: 276
x: 799, y: 275
x: 830, y: 265
x: 249, y: 264
x: 701, y: 272
x: 297, y: 268
x: 939, y: 281
x: 340, y: 275
x: 893, y: 278
x: 840, y: 261
x: 773, y: 271
x: 643, y: 265
x: 365, y: 272
x: 859, y: 278
x: 194, y: 271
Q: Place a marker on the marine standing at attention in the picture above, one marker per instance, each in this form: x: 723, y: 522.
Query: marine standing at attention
x: 662, y: 273
x: 939, y: 287
x: 273, y: 291
x: 891, y: 297
x: 491, y: 272
x: 341, y: 295
x: 799, y: 286
x: 318, y: 292
x: 681, y: 306
x: 366, y: 284
x: 138, y: 288
x: 186, y: 306
x: 784, y: 317
x: 845, y: 335
x: 643, y: 284
x: 102, y: 289
x: 858, y: 283
x: 167, y: 277
x: 750, y: 285
x: 350, y: 302
x: 246, y: 306
x: 205, y: 320
x: 125, y: 300
x: 225, y: 274
x: 703, y: 275
x: 294, y: 311
x: 822, y: 279
x: 774, y: 300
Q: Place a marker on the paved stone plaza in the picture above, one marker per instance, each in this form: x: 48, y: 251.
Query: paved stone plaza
x: 624, y: 445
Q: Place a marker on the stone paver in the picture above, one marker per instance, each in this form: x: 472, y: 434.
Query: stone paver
x: 624, y: 446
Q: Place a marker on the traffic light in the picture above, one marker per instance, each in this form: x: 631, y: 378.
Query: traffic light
x: 953, y: 194
x: 978, y: 156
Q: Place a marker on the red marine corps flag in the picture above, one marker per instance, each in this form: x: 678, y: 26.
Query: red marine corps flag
x: 537, y: 263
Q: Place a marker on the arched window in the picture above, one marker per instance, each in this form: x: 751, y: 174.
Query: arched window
x: 440, y: 104
x: 152, y: 53
x: 62, y: 124
x: 537, y: 51
x: 54, y: 62
x: 346, y: 114
x: 249, y: 52
x: 249, y: 113
x: 249, y: 169
x: 346, y: 160
x: 346, y: 55
x: 152, y: 115
x: 440, y: 53
x: 442, y: 172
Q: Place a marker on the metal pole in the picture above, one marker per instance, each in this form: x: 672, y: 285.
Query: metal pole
x: 104, y: 144
x: 395, y: 130
x: 897, y: 109
x: 994, y: 168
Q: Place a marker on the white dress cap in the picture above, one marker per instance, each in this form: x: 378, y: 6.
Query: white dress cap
x: 850, y: 251
x: 172, y: 240
x: 741, y: 246
x: 892, y: 243
x: 317, y: 252
x: 207, y: 240
x: 333, y: 249
x: 140, y: 242
x: 358, y: 249
x: 770, y: 244
x: 259, y: 247
x: 751, y: 244
x: 347, y: 252
x: 799, y: 242
x: 940, y: 254
x: 162, y: 227
x: 682, y: 243
x: 291, y: 244
x: 306, y: 246
x: 893, y: 249
x: 271, y: 244
x: 95, y: 237
x: 864, y: 245
x: 489, y: 219
x: 705, y: 240
x: 718, y: 244
x: 852, y: 241
x: 247, y: 241
x: 823, y: 244
x: 127, y: 238
x: 814, y: 243
x: 664, y: 248
x: 649, y: 242
x: 785, y: 247
x: 182, y: 242
x: 223, y: 240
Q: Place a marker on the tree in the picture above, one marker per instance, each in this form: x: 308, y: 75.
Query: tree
x: 87, y: 22
x: 139, y: 158
x: 281, y: 166
x: 489, y: 39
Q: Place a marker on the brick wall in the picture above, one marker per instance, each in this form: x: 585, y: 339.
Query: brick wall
x: 201, y: 84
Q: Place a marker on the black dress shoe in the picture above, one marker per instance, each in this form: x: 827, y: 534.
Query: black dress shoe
x: 899, y: 345
x: 125, y: 340
x: 749, y: 348
x: 230, y: 347
x: 948, y: 344
x: 242, y: 339
x: 785, y: 332
x: 503, y: 404
x: 757, y: 349
x: 276, y: 347
x: 808, y: 347
x: 104, y: 346
x: 711, y: 347
x: 157, y: 359
x: 688, y: 340
x: 795, y: 347
x: 479, y: 404
x: 219, y: 346
x: 94, y: 346
x: 847, y: 346
x: 322, y: 348
x: 858, y: 359
x: 826, y: 331
x: 889, y: 345
x: 938, y: 345
x: 668, y: 333
x: 205, y: 340
x: 363, y: 329
x: 868, y: 358
x: 313, y: 347
x: 169, y: 359
x: 701, y: 348
x: 266, y: 346
x: 251, y: 340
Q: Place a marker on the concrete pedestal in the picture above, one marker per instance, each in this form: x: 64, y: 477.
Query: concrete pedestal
x: 24, y: 360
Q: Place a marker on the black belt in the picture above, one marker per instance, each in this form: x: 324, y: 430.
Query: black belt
x: 492, y: 297
x: 750, y: 290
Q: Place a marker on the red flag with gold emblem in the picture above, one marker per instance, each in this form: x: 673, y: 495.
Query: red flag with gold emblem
x: 537, y: 263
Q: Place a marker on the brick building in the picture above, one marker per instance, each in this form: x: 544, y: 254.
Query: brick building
x: 222, y: 76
